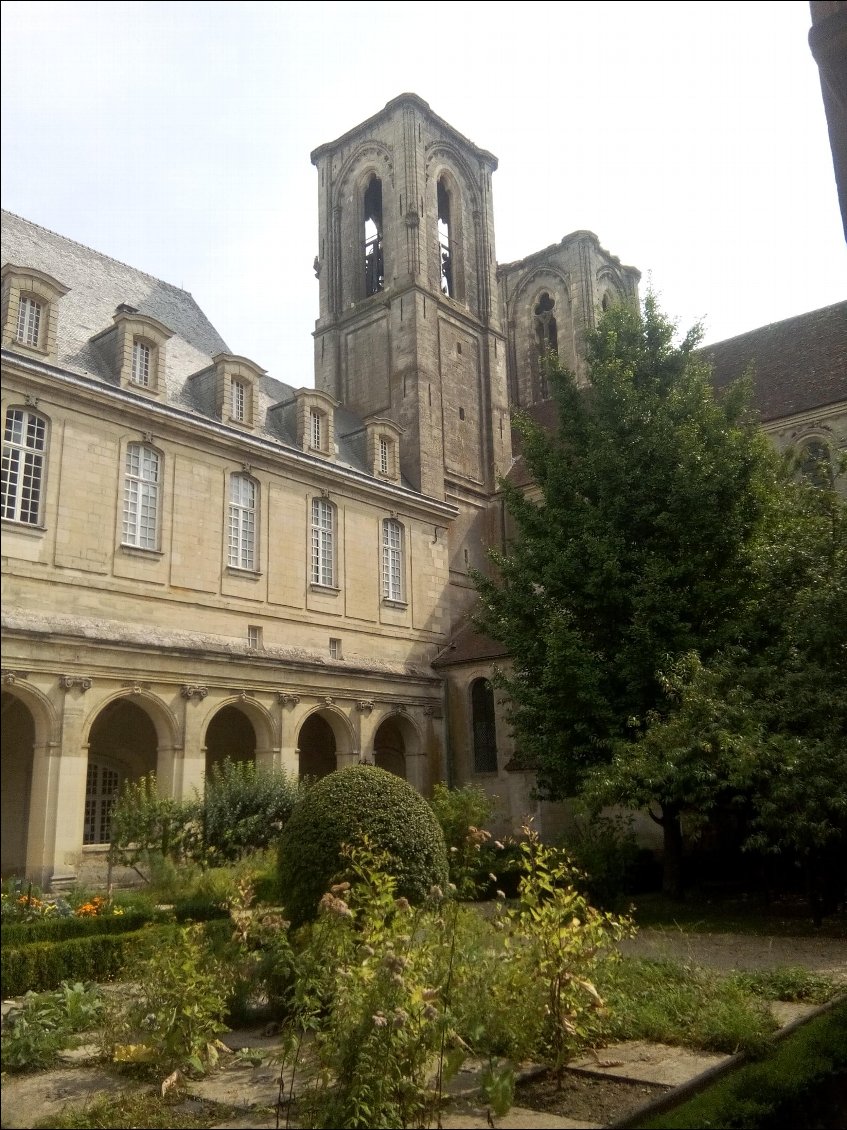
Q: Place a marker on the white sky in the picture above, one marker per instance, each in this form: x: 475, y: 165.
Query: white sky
x: 176, y: 136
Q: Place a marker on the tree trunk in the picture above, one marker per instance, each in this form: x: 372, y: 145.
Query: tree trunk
x: 672, y: 864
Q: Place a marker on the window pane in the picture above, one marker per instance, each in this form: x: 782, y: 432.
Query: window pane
x: 24, y: 442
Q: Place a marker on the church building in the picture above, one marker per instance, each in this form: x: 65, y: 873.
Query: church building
x: 201, y: 561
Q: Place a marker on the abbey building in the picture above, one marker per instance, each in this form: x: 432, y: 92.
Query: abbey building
x: 200, y: 561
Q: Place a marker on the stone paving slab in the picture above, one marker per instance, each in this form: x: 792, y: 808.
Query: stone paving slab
x: 638, y: 1061
x: 787, y: 1012
x: 518, y: 1118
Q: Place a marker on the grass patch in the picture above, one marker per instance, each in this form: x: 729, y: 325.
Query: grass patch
x: 797, y: 1084
x: 143, y: 1109
x: 681, y: 1004
x: 788, y: 983
x: 734, y: 916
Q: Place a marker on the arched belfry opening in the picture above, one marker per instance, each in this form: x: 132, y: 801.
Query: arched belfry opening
x: 123, y: 746
x: 374, y: 255
x: 317, y: 746
x: 446, y: 240
x: 17, y: 756
x: 230, y: 735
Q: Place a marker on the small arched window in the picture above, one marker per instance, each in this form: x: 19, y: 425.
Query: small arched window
x: 242, y: 522
x: 392, y: 560
x: 30, y: 312
x: 142, y: 478
x: 142, y: 363
x: 374, y: 261
x: 24, y: 455
x: 484, y: 727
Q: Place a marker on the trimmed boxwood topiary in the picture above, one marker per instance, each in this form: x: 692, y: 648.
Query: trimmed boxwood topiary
x: 342, y: 808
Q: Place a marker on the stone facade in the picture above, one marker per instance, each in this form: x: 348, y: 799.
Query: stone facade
x: 201, y: 561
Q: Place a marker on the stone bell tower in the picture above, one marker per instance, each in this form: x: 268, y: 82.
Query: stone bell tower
x: 409, y: 326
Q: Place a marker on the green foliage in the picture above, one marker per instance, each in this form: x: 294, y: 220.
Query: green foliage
x: 45, y: 1023
x: 636, y: 554
x: 178, y: 1014
x: 136, y: 1108
x: 343, y: 808
x: 463, y: 815
x: 146, y: 826
x: 44, y: 965
x: 243, y: 809
x: 779, y: 1091
x: 604, y: 851
x: 563, y: 936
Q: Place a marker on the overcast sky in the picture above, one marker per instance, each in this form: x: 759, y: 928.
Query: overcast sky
x: 176, y: 136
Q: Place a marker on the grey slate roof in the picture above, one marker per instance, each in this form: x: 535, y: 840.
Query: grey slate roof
x: 98, y: 284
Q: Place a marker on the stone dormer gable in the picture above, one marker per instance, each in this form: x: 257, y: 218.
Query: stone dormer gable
x: 134, y: 348
x: 383, y: 448
x: 228, y: 389
x: 30, y: 311
x: 315, y: 421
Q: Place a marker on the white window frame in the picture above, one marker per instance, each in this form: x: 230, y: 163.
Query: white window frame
x: 334, y: 648
x: 142, y: 496
x: 24, y: 463
x: 243, y: 542
x: 142, y: 363
x: 31, y: 314
x: 254, y: 637
x: 102, y: 786
x: 316, y: 429
x: 393, y: 565
x: 322, y: 569
x: 384, y: 455
x: 238, y: 401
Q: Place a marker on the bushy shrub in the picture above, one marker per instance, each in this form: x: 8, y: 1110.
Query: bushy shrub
x: 463, y: 815
x: 59, y: 929
x: 605, y: 850
x: 243, y: 809
x: 345, y: 808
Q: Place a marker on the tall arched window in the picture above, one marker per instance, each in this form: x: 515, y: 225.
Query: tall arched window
x: 484, y: 728
x: 546, y: 338
x: 242, y: 522
x: 374, y: 261
x: 24, y: 452
x: 142, y: 476
x: 323, y: 542
x: 392, y: 560
x: 815, y: 463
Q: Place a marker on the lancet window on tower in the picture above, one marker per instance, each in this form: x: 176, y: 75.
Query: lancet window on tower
x: 446, y: 249
x: 374, y: 262
x: 546, y: 338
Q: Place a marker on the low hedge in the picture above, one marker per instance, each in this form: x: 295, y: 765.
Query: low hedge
x: 61, y: 929
x: 102, y: 957
x: 796, y: 1084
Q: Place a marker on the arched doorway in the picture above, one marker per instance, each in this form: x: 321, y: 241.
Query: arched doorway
x: 390, y: 747
x: 317, y: 747
x: 18, y: 736
x: 122, y: 746
x: 230, y: 735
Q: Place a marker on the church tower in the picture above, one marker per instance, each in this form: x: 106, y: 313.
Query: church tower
x: 409, y: 327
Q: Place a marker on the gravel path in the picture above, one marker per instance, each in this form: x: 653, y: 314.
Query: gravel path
x: 740, y: 951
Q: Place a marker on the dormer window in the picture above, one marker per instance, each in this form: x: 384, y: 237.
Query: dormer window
x: 383, y: 447
x: 29, y: 321
x: 384, y: 455
x: 134, y: 348
x: 315, y: 421
x: 142, y: 356
x: 31, y: 310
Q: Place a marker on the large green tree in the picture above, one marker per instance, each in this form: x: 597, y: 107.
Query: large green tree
x: 636, y: 550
